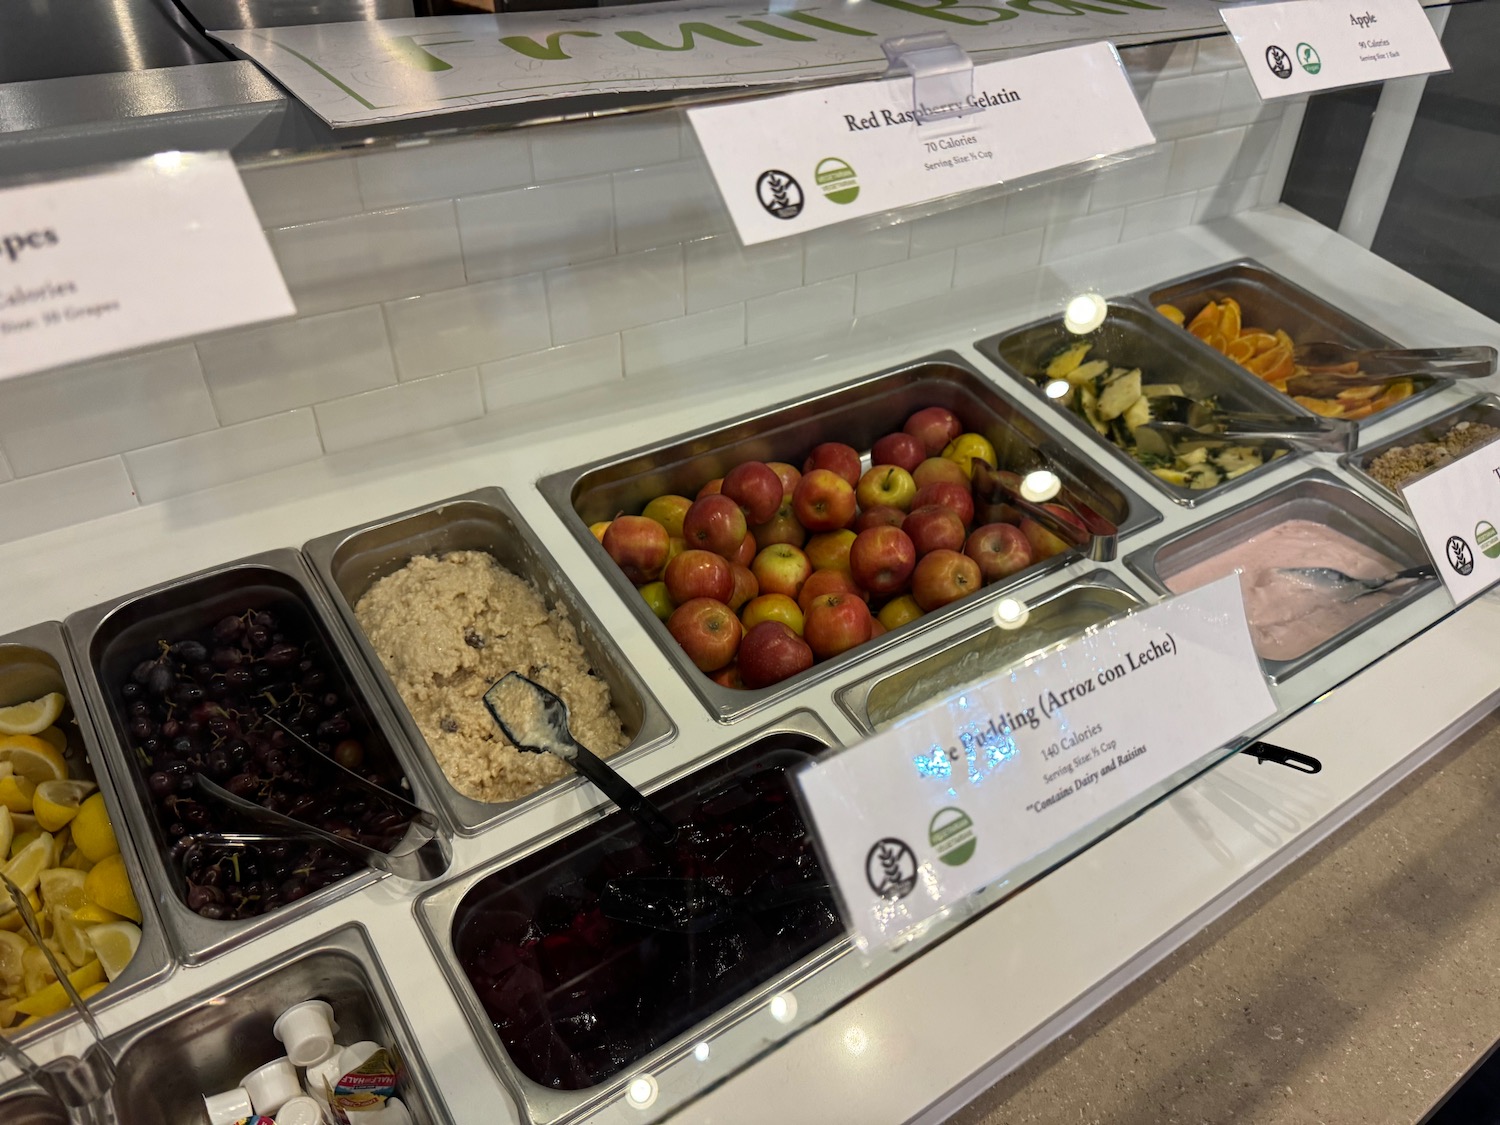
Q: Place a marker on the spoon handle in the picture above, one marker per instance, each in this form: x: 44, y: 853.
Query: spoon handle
x: 630, y: 799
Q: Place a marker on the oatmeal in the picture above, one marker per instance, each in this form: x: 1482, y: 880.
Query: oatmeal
x: 446, y: 629
x: 1403, y: 464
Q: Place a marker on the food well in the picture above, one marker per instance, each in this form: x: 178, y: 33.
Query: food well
x: 351, y: 562
x: 1482, y: 412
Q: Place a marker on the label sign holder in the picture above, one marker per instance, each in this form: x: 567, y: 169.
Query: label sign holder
x: 942, y: 75
x: 1457, y: 512
x: 1009, y: 776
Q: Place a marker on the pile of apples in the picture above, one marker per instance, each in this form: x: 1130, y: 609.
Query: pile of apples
x: 771, y: 569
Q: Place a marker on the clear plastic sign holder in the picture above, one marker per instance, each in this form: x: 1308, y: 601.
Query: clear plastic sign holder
x: 942, y: 75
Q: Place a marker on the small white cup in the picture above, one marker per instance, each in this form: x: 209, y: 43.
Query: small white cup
x: 270, y: 1087
x: 300, y: 1111
x: 306, y: 1030
x: 228, y: 1107
x: 323, y: 1076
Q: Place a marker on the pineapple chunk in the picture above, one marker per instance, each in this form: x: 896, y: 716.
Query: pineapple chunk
x: 1120, y: 395
x: 1064, y: 362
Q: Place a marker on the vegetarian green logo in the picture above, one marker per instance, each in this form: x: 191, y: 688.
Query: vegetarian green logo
x: 837, y: 180
x: 1487, y: 538
x: 1307, y: 58
x: 951, y: 833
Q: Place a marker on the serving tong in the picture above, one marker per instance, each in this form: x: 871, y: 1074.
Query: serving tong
x: 1377, y: 366
x: 418, y: 856
x: 1330, y: 576
x: 81, y: 1085
x: 1099, y: 538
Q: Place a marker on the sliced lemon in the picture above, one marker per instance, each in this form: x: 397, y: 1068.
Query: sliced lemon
x: 7, y: 830
x: 108, y: 885
x: 92, y: 990
x: 10, y: 920
x: 71, y: 936
x: 12, y: 949
x: 55, y: 803
x: 32, y: 717
x: 77, y: 861
x: 62, y: 888
x: 36, y: 974
x: 23, y: 840
x: 33, y: 757
x: 92, y: 831
x: 52, y: 998
x: 91, y: 914
x: 26, y: 867
x: 7, y: 1014
x: 16, y: 793
x: 55, y: 738
x: 115, y: 944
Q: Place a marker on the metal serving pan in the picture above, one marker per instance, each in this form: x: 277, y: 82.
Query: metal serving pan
x: 21, y: 1103
x: 1136, y: 337
x: 1319, y: 497
x: 108, y: 638
x: 898, y: 689
x: 208, y: 1043
x: 856, y: 413
x: 350, y: 562
x: 1485, y: 411
x: 1268, y: 300
x: 33, y: 662
x: 437, y: 911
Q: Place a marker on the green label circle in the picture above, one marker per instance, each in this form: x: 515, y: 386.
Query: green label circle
x: 1487, y: 538
x: 951, y: 833
x: 837, y: 180
x: 1307, y: 58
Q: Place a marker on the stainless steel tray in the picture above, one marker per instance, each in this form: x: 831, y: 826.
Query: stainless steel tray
x: 1319, y: 497
x: 208, y: 1043
x: 33, y: 662
x: 541, y: 1105
x: 350, y: 562
x: 1484, y: 410
x: 897, y: 689
x: 1137, y: 337
x: 855, y: 413
x: 21, y: 1103
x: 105, y: 639
x: 1268, y: 300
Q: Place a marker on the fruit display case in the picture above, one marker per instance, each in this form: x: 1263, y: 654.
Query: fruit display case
x: 1134, y: 337
x: 1479, y: 412
x: 33, y: 663
x: 349, y: 562
x: 113, y: 639
x: 855, y: 414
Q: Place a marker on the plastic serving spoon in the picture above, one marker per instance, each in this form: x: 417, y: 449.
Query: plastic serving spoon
x: 536, y: 721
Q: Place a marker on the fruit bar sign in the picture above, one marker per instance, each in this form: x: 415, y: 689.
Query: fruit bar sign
x: 1027, y: 764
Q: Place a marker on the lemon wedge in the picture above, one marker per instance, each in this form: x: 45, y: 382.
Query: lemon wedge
x: 32, y: 757
x: 108, y: 885
x: 55, y: 803
x: 7, y: 830
x: 52, y: 998
x: 71, y: 936
x: 92, y: 832
x: 91, y: 914
x: 62, y: 887
x: 55, y: 738
x: 16, y: 793
x: 33, y: 717
x: 115, y: 944
x: 12, y: 949
x: 26, y: 866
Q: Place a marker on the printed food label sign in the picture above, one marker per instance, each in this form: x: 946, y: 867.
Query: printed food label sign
x: 1457, y: 509
x: 367, y: 71
x: 956, y: 797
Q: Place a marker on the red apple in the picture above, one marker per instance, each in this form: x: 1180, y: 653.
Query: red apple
x: 836, y: 457
x: 824, y: 501
x: 781, y: 569
x: 830, y: 550
x: 937, y: 469
x: 638, y: 545
x: 879, y: 516
x: 715, y: 523
x: 836, y: 623
x: 745, y: 586
x: 943, y: 577
x: 708, y: 632
x: 898, y: 449
x: 756, y: 488
x: 749, y: 547
x: 934, y: 528
x: 877, y: 629
x: 698, y: 574
x: 1044, y: 544
x: 712, y: 488
x: 826, y: 582
x: 782, y: 527
x: 947, y: 494
x: 934, y: 427
x: 729, y: 676
x: 1000, y: 549
x: 888, y: 486
x: 882, y: 559
x: 789, y: 475
x: 771, y: 652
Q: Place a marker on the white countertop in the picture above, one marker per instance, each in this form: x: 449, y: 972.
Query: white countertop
x: 973, y: 1007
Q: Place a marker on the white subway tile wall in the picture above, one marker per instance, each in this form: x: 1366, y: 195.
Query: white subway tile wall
x: 439, y: 281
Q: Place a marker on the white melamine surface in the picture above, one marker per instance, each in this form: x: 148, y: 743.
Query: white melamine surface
x: 957, y: 1017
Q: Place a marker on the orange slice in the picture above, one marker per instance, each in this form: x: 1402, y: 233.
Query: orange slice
x: 1229, y: 319
x: 1207, y: 318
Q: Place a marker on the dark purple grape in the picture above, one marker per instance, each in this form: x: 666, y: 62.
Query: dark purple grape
x: 312, y: 680
x: 243, y: 784
x: 161, y: 784
x: 159, y: 679
x: 228, y: 629
x: 281, y: 655
x: 190, y: 652
x: 217, y: 763
x: 184, y: 745
x: 142, y: 671
x: 213, y: 911
x: 263, y: 620
x: 187, y: 694
x: 142, y: 728
x: 258, y: 637
x: 263, y: 673
x: 171, y: 729
x: 227, y: 658
x: 239, y: 678
x: 130, y: 691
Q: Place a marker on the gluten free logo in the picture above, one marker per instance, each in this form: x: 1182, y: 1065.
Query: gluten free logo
x: 1279, y: 61
x: 891, y: 869
x: 1307, y: 58
x: 1460, y: 556
x: 779, y: 194
x: 836, y: 178
x: 951, y: 834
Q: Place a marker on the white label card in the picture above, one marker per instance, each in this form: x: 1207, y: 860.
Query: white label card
x: 800, y: 161
x: 1457, y: 509
x: 156, y: 250
x: 952, y: 799
x: 1301, y: 46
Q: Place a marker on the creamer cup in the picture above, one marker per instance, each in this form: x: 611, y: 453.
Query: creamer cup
x: 228, y: 1108
x: 271, y: 1086
x: 306, y: 1031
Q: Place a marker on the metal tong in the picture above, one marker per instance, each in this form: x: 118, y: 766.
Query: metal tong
x: 82, y: 1086
x: 1442, y: 363
x: 420, y: 855
x: 1332, y: 435
x: 1098, y: 538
